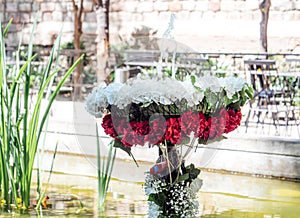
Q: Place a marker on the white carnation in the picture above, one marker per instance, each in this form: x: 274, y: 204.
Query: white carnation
x: 208, y: 83
x: 232, y: 85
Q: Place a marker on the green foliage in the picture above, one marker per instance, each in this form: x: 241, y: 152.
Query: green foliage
x: 22, y: 123
x: 120, y: 145
x: 164, y: 193
x: 105, y: 167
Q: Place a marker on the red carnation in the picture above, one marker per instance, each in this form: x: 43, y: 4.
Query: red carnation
x: 108, y: 127
x: 141, y: 128
x: 157, y: 132
x: 206, y: 130
x: 190, y: 122
x: 129, y: 139
x: 173, y: 132
x: 233, y: 120
x: 214, y: 126
x: 218, y: 124
x: 203, y: 123
x: 121, y: 126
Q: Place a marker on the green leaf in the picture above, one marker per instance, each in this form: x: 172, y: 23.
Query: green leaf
x: 119, y: 144
x: 193, y: 79
x: 183, y: 177
x: 7, y: 27
x: 159, y: 198
x: 193, y: 172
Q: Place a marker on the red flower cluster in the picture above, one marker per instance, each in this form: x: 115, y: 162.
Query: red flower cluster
x: 173, y: 129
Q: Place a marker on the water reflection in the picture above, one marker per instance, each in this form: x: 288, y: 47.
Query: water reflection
x: 221, y: 196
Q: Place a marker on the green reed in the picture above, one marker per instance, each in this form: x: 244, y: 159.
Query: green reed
x: 22, y: 121
x: 105, y: 167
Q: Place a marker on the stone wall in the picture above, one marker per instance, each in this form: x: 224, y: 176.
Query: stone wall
x: 205, y: 25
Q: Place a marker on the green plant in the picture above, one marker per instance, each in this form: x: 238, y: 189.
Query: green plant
x: 22, y: 123
x: 105, y: 167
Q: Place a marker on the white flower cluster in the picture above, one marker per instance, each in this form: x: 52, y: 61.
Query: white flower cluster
x: 163, y: 91
x: 101, y: 97
x: 152, y: 185
x: 181, y: 198
x: 182, y: 201
x: 144, y: 90
x: 232, y: 85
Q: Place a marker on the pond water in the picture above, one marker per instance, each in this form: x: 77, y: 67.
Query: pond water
x: 221, y: 196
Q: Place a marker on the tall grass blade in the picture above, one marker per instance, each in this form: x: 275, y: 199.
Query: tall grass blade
x: 5, y: 31
x: 42, y: 196
x: 105, y: 167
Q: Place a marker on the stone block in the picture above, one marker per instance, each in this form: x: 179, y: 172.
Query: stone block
x: 61, y: 6
x: 196, y: 15
x: 183, y: 15
x: 240, y: 6
x: 116, y: 7
x: 57, y: 16
x: 228, y: 5
x: 164, y: 16
x: 161, y: 6
x: 291, y: 16
x: 89, y: 27
x: 12, y: 7
x: 146, y: 6
x: 124, y: 16
x: 25, y: 7
x: 90, y: 17
x: 35, y: 6
x: 15, y: 16
x: 209, y: 15
x: 282, y: 5
x: 25, y: 17
x: 14, y: 28
x: 202, y: 5
x: 68, y: 16
x: 88, y: 5
x: 175, y: 6
x: 188, y: 5
x: 113, y: 17
x: 222, y: 15
x: 214, y: 5
x: 47, y: 6
x: 234, y: 15
x: 130, y: 6
x: 48, y: 30
x: 275, y: 15
x: 297, y: 5
x: 150, y: 16
x: 47, y: 16
x: 137, y: 17
x: 251, y: 5
x: 247, y: 15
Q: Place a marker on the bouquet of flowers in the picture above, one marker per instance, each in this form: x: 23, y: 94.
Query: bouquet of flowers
x: 168, y: 113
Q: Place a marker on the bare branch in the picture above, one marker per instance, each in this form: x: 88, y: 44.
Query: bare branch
x: 81, y: 9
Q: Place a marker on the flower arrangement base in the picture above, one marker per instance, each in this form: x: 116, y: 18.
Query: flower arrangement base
x: 172, y: 187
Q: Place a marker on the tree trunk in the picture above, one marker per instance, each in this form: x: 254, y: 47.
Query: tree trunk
x: 77, y: 36
x: 264, y: 7
x: 102, y: 40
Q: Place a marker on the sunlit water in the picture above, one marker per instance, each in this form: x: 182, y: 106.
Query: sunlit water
x: 222, y: 195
